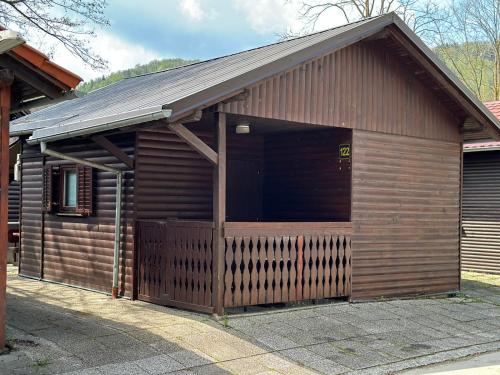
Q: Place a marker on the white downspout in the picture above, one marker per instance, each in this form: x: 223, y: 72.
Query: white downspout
x: 118, y: 174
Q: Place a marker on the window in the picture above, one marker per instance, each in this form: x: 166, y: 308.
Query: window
x: 68, y: 189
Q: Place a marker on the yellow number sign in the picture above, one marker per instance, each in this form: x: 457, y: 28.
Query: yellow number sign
x: 345, y: 151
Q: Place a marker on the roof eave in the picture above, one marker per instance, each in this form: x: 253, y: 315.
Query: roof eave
x: 99, y: 125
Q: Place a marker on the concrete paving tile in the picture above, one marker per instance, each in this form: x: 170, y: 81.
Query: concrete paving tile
x: 244, y: 366
x: 165, y: 346
x: 326, y: 366
x: 214, y: 369
x: 301, y: 355
x: 277, y: 342
x: 159, y: 364
x: 275, y: 361
x: 191, y: 357
x: 121, y: 369
x: 85, y: 371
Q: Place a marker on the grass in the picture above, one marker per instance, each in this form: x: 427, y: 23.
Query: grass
x: 487, y: 280
x: 225, y: 321
x: 41, y: 363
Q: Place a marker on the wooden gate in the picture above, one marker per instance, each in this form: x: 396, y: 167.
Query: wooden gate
x: 175, y: 263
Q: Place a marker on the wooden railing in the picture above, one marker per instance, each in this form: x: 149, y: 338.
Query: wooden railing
x: 283, y: 262
x: 175, y: 263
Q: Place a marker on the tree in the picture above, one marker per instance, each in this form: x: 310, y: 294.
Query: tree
x: 420, y: 15
x: 469, y: 42
x: 464, y: 33
x: 71, y: 23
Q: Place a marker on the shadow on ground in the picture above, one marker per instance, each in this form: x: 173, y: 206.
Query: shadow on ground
x: 57, y: 329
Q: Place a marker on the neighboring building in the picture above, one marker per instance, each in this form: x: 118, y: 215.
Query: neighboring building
x: 323, y: 166
x: 481, y: 203
x: 26, y: 77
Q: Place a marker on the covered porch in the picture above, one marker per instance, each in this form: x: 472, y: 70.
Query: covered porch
x: 280, y: 230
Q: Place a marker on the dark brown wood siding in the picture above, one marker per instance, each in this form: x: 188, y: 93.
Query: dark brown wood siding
x: 31, y: 212
x: 14, y: 195
x: 304, y: 177
x: 481, y: 212
x: 405, y: 214
x: 173, y: 180
x: 360, y: 87
x: 79, y: 250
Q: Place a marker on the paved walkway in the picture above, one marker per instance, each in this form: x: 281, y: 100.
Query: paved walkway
x: 55, y: 329
x: 482, y: 364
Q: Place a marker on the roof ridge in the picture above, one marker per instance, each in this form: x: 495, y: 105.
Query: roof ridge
x: 257, y: 48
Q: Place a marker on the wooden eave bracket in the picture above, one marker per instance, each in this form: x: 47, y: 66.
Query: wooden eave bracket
x: 114, y: 150
x: 195, y: 142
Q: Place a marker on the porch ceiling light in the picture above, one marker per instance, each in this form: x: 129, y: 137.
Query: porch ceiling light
x: 243, y: 128
x: 9, y: 39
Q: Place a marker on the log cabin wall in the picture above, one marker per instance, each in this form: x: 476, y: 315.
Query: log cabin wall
x: 77, y: 250
x: 405, y: 214
x: 304, y: 177
x: 481, y: 212
x: 173, y: 180
x: 245, y: 177
x: 31, y: 212
x: 14, y: 195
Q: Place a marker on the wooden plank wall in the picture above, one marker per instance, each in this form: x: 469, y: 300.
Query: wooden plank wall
x: 481, y: 212
x: 173, y: 180
x: 245, y: 177
x: 304, y: 178
x: 79, y: 250
x: 31, y: 213
x: 405, y: 215
x: 360, y: 87
x: 14, y: 195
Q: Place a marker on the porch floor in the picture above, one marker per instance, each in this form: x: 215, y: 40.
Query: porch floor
x: 56, y: 329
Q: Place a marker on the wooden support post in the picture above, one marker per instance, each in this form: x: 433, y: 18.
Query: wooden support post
x: 6, y: 78
x: 219, y: 207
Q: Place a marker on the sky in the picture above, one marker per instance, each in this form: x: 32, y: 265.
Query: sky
x: 143, y: 30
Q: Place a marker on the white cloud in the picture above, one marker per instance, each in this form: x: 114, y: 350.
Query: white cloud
x: 192, y: 9
x: 270, y: 16
x: 119, y: 53
x: 275, y: 16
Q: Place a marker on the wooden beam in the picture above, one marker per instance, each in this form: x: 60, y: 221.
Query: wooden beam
x: 219, y: 213
x: 114, y: 150
x: 31, y: 78
x: 192, y: 139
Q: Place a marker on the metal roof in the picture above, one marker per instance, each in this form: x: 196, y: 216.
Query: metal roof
x: 178, y: 91
x: 494, y: 108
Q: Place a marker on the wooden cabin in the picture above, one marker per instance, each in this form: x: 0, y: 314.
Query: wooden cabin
x: 480, y: 246
x: 320, y: 167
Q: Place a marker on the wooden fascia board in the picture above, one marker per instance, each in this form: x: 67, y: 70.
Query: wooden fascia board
x: 114, y: 150
x: 194, y: 141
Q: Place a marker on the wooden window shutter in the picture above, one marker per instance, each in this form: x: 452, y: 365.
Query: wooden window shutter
x: 84, y: 202
x: 48, y: 190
